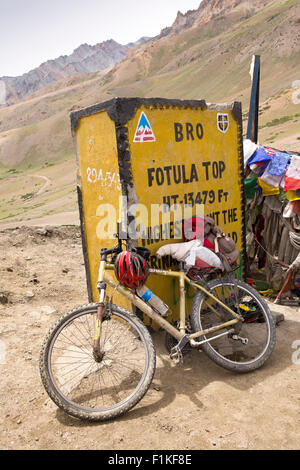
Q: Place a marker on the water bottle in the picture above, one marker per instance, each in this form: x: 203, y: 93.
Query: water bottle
x: 156, y: 303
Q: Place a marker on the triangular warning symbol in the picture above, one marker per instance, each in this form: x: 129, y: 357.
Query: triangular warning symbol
x: 144, y: 132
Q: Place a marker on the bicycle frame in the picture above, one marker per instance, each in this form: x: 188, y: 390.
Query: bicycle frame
x: 103, y: 280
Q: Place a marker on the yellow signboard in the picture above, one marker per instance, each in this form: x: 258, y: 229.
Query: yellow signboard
x: 137, y: 155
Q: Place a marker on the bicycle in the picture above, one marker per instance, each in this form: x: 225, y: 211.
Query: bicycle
x: 98, y: 360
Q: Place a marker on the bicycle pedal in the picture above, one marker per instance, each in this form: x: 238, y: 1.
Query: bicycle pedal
x: 245, y: 341
x: 176, y: 355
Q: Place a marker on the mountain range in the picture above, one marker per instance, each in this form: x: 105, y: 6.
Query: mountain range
x: 85, y: 59
x: 205, y: 54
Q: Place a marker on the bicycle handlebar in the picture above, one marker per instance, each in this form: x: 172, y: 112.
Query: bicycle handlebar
x: 144, y: 252
x: 110, y: 251
x: 117, y: 249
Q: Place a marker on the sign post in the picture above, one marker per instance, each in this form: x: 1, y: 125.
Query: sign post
x: 150, y: 162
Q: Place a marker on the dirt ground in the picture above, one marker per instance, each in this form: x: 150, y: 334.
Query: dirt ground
x: 196, y: 405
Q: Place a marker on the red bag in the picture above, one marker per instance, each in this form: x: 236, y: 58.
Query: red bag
x: 212, y: 238
x: 197, y: 228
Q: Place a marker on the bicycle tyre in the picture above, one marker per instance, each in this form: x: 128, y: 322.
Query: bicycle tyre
x: 262, y: 320
x: 76, y: 330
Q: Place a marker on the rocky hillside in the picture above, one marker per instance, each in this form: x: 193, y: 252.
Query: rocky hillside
x: 214, y: 9
x: 84, y: 59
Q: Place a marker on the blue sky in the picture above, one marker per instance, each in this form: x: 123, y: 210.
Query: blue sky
x: 33, y: 31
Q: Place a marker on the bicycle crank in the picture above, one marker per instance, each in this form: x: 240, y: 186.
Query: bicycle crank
x: 176, y: 353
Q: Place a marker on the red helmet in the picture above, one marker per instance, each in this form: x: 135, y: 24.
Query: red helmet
x: 131, y: 269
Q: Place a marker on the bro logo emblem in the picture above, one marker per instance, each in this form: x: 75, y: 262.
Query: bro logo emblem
x: 223, y: 122
x: 144, y: 132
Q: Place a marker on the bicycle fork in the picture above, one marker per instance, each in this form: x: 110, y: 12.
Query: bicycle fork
x: 97, y: 353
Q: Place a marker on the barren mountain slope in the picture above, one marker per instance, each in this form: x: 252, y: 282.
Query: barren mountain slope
x: 208, y: 59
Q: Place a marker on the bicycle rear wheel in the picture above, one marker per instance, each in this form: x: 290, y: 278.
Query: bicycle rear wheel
x: 256, y: 333
x: 90, y: 390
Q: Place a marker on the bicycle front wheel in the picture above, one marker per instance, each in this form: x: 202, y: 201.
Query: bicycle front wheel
x: 251, y: 343
x: 90, y: 390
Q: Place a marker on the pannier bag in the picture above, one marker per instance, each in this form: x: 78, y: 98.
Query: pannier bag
x: 226, y: 248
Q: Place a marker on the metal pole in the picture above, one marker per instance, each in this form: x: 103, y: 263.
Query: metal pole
x: 252, y: 132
